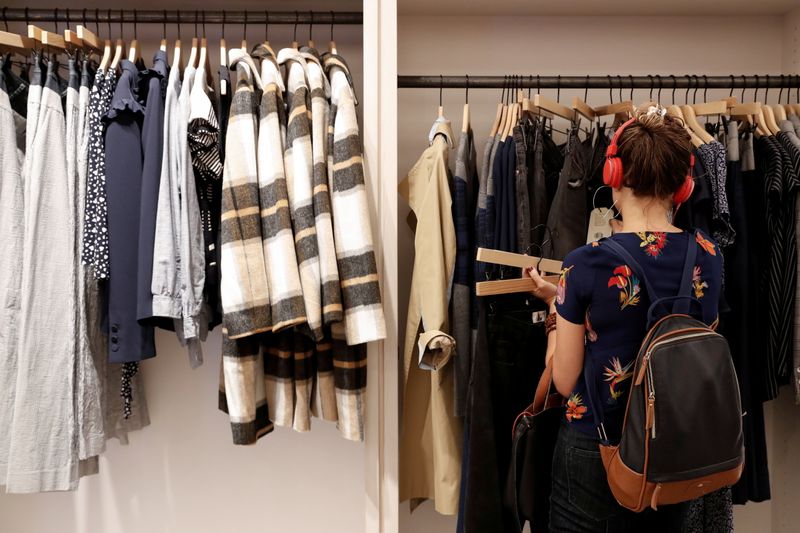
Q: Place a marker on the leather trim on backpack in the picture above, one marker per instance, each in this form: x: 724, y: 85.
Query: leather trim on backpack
x: 633, y: 492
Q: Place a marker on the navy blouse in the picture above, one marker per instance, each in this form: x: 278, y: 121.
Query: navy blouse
x: 598, y: 290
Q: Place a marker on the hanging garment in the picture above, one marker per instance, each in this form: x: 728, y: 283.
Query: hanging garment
x: 95, y: 253
x: 789, y: 133
x: 464, y: 203
x: 325, y: 392
x: 17, y: 92
x: 91, y: 435
x: 244, y: 283
x: 129, y: 341
x: 320, y: 91
x: 352, y: 230
x: 491, y: 193
x: 742, y: 296
x: 43, y: 454
x: 244, y: 287
x: 286, y: 293
x: 713, y: 513
x: 242, y: 392
x: 204, y: 144
x: 713, y: 157
x: 779, y: 182
x: 191, y: 275
x: 509, y: 357
x: 154, y: 80
x: 524, y: 139
x: 430, y: 441
x: 567, y: 217
x: 223, y: 108
x: 165, y: 284
x: 298, y: 164
x: 505, y: 237
x: 481, y: 217
x: 11, y: 219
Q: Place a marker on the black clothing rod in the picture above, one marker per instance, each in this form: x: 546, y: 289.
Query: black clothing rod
x: 183, y: 16
x: 661, y: 81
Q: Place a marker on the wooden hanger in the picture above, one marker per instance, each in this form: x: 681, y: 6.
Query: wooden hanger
x: 89, y: 39
x: 46, y: 38
x: 21, y: 44
x: 311, y: 43
x: 510, y: 286
x: 133, y: 51
x: 106, y: 59
x: 690, y: 118
x: 497, y: 117
x: 295, y: 44
x: 266, y: 44
x: 119, y: 53
x: 193, y: 53
x: 72, y: 40
x: 584, y: 109
x: 704, y: 109
x: 769, y: 119
x: 675, y: 111
x: 779, y: 112
x: 553, y: 107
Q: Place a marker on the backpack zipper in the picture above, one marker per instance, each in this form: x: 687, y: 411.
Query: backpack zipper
x: 647, y: 370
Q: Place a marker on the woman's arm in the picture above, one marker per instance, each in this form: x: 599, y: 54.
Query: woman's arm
x: 565, y: 344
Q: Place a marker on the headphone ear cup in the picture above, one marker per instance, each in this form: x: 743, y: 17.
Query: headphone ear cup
x: 685, y: 192
x: 612, y: 172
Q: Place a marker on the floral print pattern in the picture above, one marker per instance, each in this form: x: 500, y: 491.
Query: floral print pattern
x: 575, y: 407
x: 591, y: 334
x: 628, y: 285
x: 653, y: 242
x: 615, y: 375
x: 561, y: 289
x: 706, y: 245
x: 697, y: 282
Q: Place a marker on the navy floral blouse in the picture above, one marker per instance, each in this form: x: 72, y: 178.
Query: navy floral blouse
x: 598, y: 290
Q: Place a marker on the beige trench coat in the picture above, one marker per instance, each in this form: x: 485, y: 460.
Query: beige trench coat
x: 430, y: 443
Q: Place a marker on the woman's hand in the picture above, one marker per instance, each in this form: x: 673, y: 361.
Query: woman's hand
x: 544, y: 290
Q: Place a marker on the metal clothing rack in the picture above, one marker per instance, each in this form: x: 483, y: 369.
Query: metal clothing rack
x: 179, y: 16
x: 654, y: 81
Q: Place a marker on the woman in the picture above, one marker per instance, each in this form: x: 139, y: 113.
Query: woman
x: 601, y: 309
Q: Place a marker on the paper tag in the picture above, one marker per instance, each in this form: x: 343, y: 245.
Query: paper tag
x: 599, y: 224
x: 223, y: 87
x: 537, y: 317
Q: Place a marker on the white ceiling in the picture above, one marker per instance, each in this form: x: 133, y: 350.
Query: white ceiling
x: 595, y: 7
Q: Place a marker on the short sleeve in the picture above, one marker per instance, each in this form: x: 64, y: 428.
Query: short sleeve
x: 574, y: 289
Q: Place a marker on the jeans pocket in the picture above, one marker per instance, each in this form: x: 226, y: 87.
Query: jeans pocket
x: 588, y: 485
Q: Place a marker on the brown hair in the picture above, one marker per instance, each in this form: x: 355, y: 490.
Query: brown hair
x: 655, y: 151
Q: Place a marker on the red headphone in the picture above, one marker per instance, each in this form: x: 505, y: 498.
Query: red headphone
x: 613, y: 173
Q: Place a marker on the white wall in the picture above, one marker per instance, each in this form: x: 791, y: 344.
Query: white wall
x: 588, y: 45
x: 182, y: 473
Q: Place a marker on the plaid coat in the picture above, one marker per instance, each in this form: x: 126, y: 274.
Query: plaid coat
x: 244, y: 287
x: 358, y: 271
x: 299, y: 169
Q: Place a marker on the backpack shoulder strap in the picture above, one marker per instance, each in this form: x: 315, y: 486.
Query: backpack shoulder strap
x: 684, y: 300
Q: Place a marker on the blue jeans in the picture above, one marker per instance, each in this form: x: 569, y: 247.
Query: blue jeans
x: 581, y: 501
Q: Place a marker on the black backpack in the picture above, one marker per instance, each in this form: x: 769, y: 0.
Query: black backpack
x: 682, y: 434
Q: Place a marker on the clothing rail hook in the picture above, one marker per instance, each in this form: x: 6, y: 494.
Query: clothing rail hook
x: 586, y: 90
x: 121, y: 30
x: 5, y: 19
x: 196, y: 17
x: 610, y: 90
x: 619, y: 84
x: 660, y: 86
x: 332, y: 19
x: 705, y: 88
x: 688, y: 88
x: 244, y: 27
x: 296, y: 21
x: 108, y: 23
x: 441, y: 87
x: 466, y: 91
x: 204, y: 23
x: 733, y: 81
x: 780, y: 94
x: 674, y: 86
x: 223, y: 25
x: 755, y: 94
x: 55, y: 19
x: 652, y: 83
x: 136, y: 24
x: 266, y: 24
x: 178, y: 22
x: 164, y: 28
x: 744, y: 85
x: 311, y: 26
x: 558, y: 88
x: 766, y: 92
x: 696, y: 87
x: 631, y: 78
